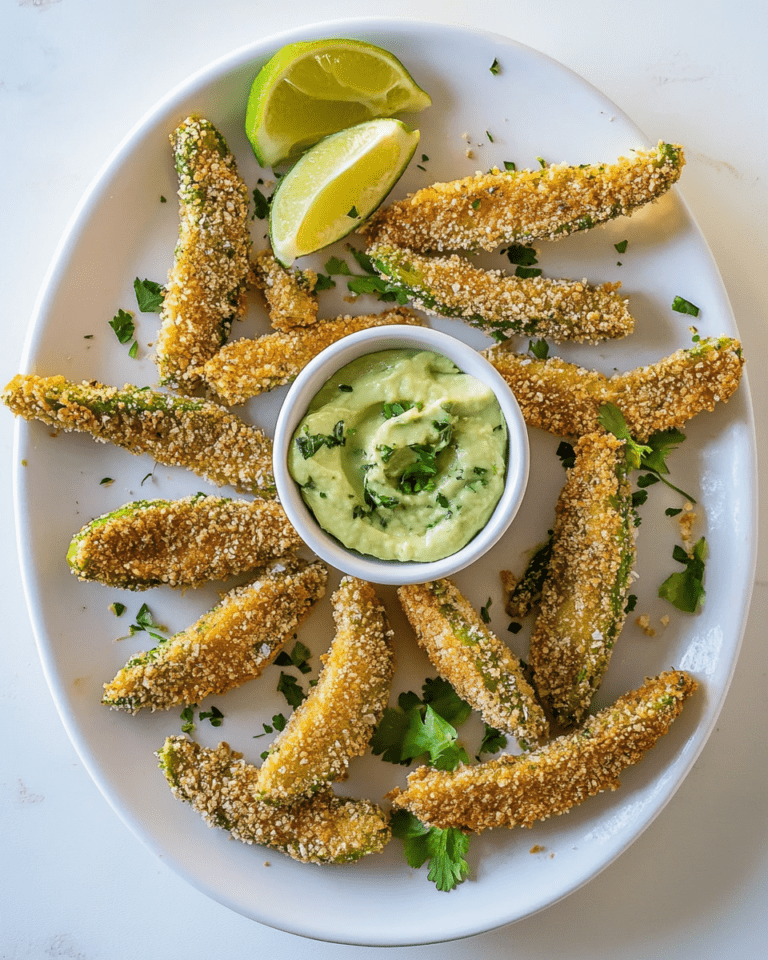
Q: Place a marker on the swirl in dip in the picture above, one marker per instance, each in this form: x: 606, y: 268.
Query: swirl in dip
x: 401, y: 456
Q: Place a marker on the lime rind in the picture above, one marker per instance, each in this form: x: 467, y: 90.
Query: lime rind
x: 336, y: 185
x: 312, y: 89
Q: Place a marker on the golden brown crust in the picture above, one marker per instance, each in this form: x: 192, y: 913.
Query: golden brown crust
x: 181, y: 542
x: 498, y: 207
x: 246, y: 368
x: 504, y: 305
x: 480, y: 668
x: 336, y: 721
x: 290, y: 297
x: 206, y: 286
x: 222, y: 788
x: 177, y: 431
x: 519, y: 790
x: 226, y: 647
x: 584, y: 593
x: 565, y: 399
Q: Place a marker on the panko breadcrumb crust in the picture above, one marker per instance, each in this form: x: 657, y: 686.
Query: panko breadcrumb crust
x: 565, y: 399
x: 336, y: 721
x: 519, y: 790
x: 222, y: 788
x: 183, y: 542
x: 480, y: 668
x: 206, y: 286
x: 289, y: 294
x: 246, y: 368
x: 177, y: 431
x: 503, y: 305
x: 226, y: 647
x: 584, y: 593
x: 488, y: 209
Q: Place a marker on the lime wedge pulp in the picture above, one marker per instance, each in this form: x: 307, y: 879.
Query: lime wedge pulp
x: 337, y: 185
x: 311, y: 89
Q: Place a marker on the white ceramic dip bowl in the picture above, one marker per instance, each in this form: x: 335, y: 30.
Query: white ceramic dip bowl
x: 308, y: 384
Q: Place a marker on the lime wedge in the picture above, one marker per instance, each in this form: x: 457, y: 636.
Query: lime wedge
x: 337, y: 185
x: 312, y: 89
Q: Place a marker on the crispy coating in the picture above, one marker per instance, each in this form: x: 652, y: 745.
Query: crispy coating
x: 177, y: 431
x: 521, y: 596
x: 290, y: 297
x: 222, y: 788
x: 498, y: 207
x: 226, y: 647
x: 181, y: 542
x: 480, y: 668
x: 503, y: 305
x: 518, y: 790
x: 206, y: 286
x: 584, y: 592
x: 336, y: 721
x: 245, y: 368
x: 565, y: 399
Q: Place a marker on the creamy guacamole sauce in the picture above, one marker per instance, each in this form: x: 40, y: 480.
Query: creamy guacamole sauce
x: 401, y: 456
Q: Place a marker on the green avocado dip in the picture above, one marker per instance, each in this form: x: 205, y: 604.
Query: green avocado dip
x: 401, y: 456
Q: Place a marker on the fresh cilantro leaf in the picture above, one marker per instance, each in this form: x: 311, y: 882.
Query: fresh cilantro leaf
x: 353, y: 214
x: 123, y: 325
x: 261, y: 205
x: 489, y: 136
x: 290, y: 689
x: 475, y: 204
x: 493, y: 741
x: 149, y: 295
x: 188, y: 719
x: 685, y: 589
x: 520, y: 253
x: 397, y: 408
x: 324, y: 283
x: 681, y: 305
x: 510, y: 165
x: 418, y: 476
x: 362, y: 260
x: 106, y: 481
x: 539, y: 349
x: 214, y: 715
x: 525, y: 273
x: 621, y: 246
x: 298, y: 658
x: 613, y: 420
x: 495, y: 68
x: 133, y: 352
x: 672, y: 511
x: 485, y: 610
x: 442, y: 501
x: 309, y: 444
x: 117, y: 608
x: 162, y: 199
x: 146, y: 622
x: 566, y: 453
x: 444, y: 700
x: 447, y: 864
x: 631, y: 603
x: 383, y: 289
x: 337, y: 267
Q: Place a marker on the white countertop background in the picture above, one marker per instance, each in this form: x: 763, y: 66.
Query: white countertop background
x: 75, y: 76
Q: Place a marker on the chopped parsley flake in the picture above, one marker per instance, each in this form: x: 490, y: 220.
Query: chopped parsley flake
x: 495, y: 68
x: 681, y: 305
x: 621, y: 247
x: 123, y: 325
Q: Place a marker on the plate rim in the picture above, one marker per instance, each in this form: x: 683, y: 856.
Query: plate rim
x: 216, y: 69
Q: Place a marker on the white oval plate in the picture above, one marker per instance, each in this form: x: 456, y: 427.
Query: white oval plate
x: 532, y: 108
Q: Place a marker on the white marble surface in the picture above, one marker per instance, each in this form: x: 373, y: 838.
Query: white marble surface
x: 75, y: 75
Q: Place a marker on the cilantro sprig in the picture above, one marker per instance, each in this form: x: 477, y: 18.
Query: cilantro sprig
x: 309, y: 443
x: 149, y: 295
x: 445, y: 849
x: 685, y: 589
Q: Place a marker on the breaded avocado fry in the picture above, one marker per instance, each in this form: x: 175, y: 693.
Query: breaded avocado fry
x: 584, y: 593
x: 336, y: 721
x: 290, y: 297
x: 181, y: 542
x: 503, y: 305
x: 489, y: 209
x: 480, y: 668
x: 245, y: 368
x: 519, y: 790
x: 223, y: 789
x: 226, y: 647
x: 565, y: 399
x: 206, y: 286
x: 177, y: 431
